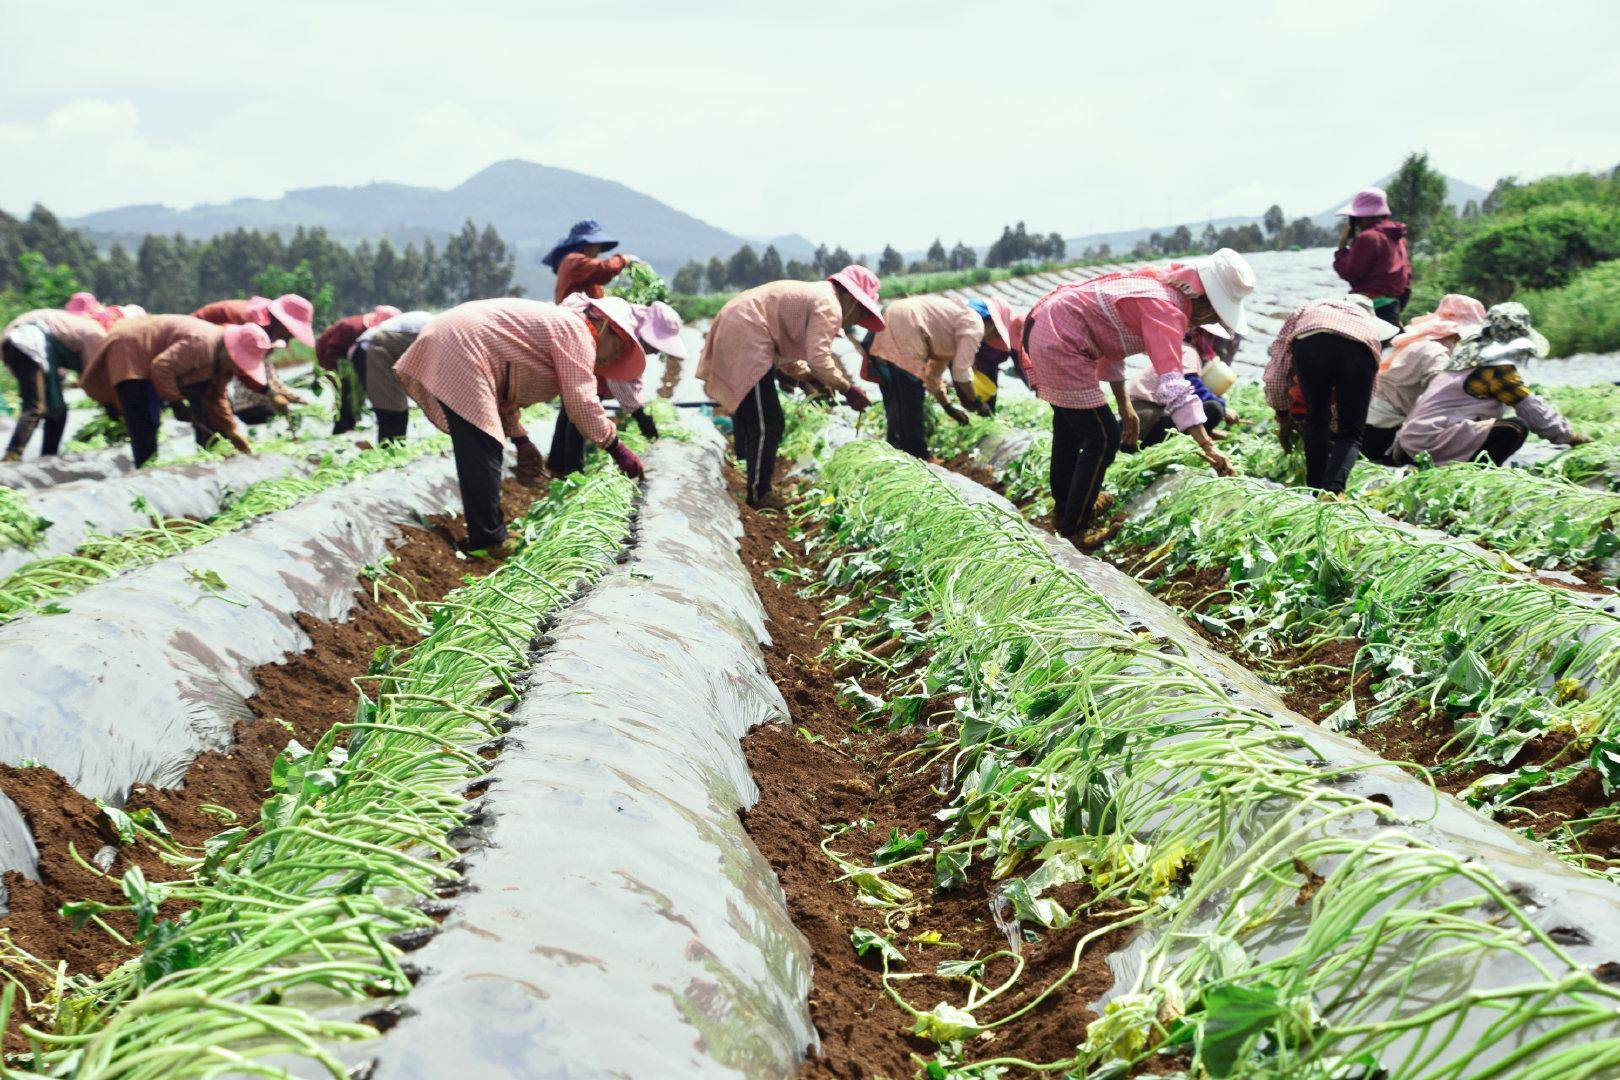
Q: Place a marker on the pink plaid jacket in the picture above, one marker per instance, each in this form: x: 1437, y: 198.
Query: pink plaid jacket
x: 786, y: 324
x: 925, y: 335
x: 1339, y: 317
x: 1081, y: 334
x: 488, y: 359
x: 80, y: 333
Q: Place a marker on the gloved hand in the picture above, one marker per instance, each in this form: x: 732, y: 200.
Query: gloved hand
x: 645, y: 422
x: 529, y: 462
x: 626, y: 459
x: 967, y: 396
x: 857, y: 399
x: 955, y: 414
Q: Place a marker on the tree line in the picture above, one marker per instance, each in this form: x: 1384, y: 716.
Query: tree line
x: 177, y: 274
x: 747, y: 268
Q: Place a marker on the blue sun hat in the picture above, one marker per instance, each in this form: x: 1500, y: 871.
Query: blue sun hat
x: 583, y: 232
x: 979, y: 306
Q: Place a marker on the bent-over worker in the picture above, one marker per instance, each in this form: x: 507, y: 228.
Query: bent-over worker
x: 37, y: 346
x: 658, y: 332
x: 1418, y: 354
x: 922, y: 338
x: 335, y: 352
x: 476, y: 366
x: 376, y: 352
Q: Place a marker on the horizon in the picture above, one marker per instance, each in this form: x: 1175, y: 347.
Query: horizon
x: 920, y: 127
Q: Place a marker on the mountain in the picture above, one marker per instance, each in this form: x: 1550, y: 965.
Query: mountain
x: 1458, y: 192
x: 531, y: 204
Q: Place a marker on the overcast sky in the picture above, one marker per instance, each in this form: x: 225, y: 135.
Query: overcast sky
x: 853, y: 122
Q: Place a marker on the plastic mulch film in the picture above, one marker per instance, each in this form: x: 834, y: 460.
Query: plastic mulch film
x: 1580, y: 912
x: 80, y: 508
x: 618, y: 921
x: 150, y: 668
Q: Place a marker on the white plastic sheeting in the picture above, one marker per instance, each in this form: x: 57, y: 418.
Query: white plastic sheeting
x: 618, y: 920
x: 151, y: 667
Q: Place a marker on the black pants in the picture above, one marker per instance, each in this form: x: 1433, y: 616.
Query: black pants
x: 141, y: 408
x: 1377, y: 442
x: 1159, y: 430
x: 348, y: 415
x: 34, y: 408
x: 1504, y: 440
x: 757, y: 425
x: 478, y: 471
x: 1084, y: 442
x: 392, y: 425
x: 1333, y: 370
x: 903, y: 408
x: 567, y: 447
x: 202, y: 425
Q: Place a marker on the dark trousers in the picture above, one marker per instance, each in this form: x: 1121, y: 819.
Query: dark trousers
x: 35, y: 410
x: 478, y: 471
x: 1504, y: 440
x: 1084, y: 442
x: 1333, y: 370
x: 139, y: 403
x: 902, y: 408
x: 1377, y: 442
x: 202, y: 425
x: 567, y: 447
x: 392, y: 425
x: 348, y: 414
x: 757, y: 425
x: 1154, y: 433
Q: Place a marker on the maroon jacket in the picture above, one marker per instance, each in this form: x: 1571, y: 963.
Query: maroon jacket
x: 1376, y: 263
x: 336, y: 340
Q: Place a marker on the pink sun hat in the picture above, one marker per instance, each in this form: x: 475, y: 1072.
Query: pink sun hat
x: 82, y: 303
x: 1001, y: 318
x: 659, y: 327
x: 247, y: 345
x: 379, y: 315
x: 863, y: 285
x: 1369, y: 202
x: 621, y: 318
x: 297, y: 315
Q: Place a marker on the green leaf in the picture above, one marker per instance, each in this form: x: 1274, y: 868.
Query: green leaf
x: 1233, y: 1017
x: 900, y: 846
x: 945, y: 1023
x: 960, y: 969
x: 865, y: 941
x: 1469, y: 674
x: 950, y: 868
x: 877, y: 892
x: 82, y: 911
x: 122, y: 823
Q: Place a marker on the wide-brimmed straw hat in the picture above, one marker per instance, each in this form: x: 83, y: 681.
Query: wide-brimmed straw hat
x: 379, y: 315
x: 583, y: 232
x: 863, y: 285
x: 1228, y: 279
x: 659, y: 327
x: 297, y: 315
x: 620, y: 315
x: 1369, y: 202
x: 247, y: 345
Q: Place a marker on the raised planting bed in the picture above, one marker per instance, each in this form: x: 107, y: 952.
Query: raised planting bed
x: 314, y: 901
x: 1299, y: 906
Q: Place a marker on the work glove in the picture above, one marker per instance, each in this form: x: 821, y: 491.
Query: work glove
x: 955, y: 414
x: 645, y: 422
x: 626, y: 459
x: 969, y: 398
x: 857, y: 399
x: 529, y: 462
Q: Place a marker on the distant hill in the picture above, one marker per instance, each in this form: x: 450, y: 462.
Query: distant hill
x: 531, y: 204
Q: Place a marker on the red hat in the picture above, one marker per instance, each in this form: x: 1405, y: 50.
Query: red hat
x: 863, y: 285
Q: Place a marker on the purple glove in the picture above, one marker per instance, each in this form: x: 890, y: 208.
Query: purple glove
x: 625, y: 458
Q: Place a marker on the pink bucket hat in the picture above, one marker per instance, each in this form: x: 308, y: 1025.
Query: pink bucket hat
x: 659, y: 327
x: 82, y: 303
x: 621, y: 317
x: 863, y: 285
x: 1001, y: 319
x: 247, y: 345
x: 297, y: 315
x: 379, y: 315
x: 1369, y: 202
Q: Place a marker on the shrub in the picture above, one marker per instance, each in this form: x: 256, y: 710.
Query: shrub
x: 1583, y: 316
x: 1541, y: 248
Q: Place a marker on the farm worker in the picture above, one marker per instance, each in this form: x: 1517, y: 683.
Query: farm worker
x: 574, y: 260
x: 922, y: 338
x: 145, y: 362
x: 473, y: 368
x: 658, y: 329
x: 1333, y: 348
x: 288, y: 317
x: 791, y: 325
x: 37, y: 346
x: 1078, y: 336
x: 992, y: 354
x: 1418, y: 355
x: 1459, y: 417
x: 333, y: 351
x: 376, y: 352
x: 1372, y: 256
x: 1197, y: 349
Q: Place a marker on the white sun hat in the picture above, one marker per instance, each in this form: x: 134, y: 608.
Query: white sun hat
x: 1228, y: 279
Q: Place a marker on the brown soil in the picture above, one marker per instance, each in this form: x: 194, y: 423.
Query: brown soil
x: 299, y: 698
x: 844, y: 773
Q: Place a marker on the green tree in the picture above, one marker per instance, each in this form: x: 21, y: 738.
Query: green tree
x: 800, y: 271
x: 742, y: 270
x: 937, y: 255
x: 117, y: 280
x: 963, y: 257
x: 716, y: 274
x: 770, y: 264
x: 891, y: 261
x: 38, y: 284
x: 689, y: 279
x: 839, y: 259
x: 1417, y: 195
x: 166, y: 274
x: 1273, y: 220
x: 274, y: 281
